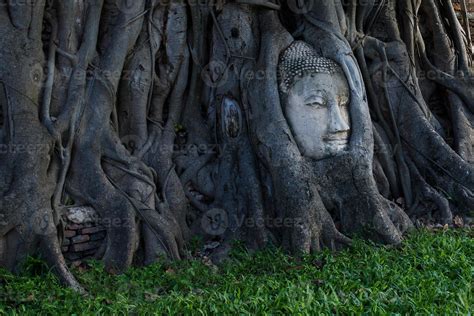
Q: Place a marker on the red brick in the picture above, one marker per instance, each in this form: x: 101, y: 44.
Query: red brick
x: 80, y: 239
x: 86, y: 246
x: 74, y: 226
x: 69, y: 233
x: 92, y: 230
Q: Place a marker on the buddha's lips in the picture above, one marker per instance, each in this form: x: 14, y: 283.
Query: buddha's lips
x: 341, y: 140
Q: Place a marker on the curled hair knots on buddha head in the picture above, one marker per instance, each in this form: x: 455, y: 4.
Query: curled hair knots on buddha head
x: 299, y: 60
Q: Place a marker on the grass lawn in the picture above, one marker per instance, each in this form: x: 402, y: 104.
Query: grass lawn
x: 432, y: 273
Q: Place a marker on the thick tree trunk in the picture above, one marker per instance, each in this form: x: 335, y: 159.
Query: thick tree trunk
x: 171, y: 121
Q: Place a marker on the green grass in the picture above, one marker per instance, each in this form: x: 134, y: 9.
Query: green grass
x: 431, y: 274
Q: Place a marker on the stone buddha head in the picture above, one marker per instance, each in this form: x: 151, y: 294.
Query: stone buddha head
x: 315, y: 99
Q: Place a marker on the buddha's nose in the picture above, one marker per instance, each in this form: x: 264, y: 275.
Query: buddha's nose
x: 337, y: 124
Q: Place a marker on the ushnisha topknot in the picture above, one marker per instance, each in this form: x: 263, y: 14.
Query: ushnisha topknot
x: 300, y: 59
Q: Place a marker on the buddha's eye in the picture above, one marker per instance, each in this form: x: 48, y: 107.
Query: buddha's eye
x: 316, y: 102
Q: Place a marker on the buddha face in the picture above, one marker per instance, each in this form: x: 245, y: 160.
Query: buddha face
x: 317, y: 109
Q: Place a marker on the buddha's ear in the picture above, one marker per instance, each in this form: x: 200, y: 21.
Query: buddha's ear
x: 362, y: 136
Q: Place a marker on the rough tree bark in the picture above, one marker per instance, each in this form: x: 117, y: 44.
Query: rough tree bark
x: 167, y: 118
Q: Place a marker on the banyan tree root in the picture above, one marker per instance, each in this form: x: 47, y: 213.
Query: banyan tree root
x: 92, y: 170
x: 160, y: 115
x: 442, y: 167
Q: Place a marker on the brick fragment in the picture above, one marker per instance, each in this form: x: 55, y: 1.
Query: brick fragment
x: 80, y: 239
x: 70, y: 233
x: 86, y: 246
x: 92, y: 230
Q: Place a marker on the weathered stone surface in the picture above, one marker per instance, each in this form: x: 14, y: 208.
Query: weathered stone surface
x: 98, y: 236
x: 82, y: 215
